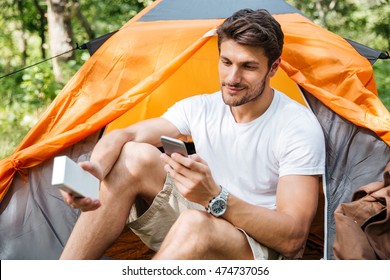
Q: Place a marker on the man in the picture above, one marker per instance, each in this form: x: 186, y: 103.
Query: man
x: 258, y: 152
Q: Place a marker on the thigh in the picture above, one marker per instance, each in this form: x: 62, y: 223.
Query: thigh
x: 227, y: 241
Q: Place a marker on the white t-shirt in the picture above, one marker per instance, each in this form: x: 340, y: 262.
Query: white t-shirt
x: 248, y: 158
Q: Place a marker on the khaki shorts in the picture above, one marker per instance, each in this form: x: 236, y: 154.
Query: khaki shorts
x: 152, y: 223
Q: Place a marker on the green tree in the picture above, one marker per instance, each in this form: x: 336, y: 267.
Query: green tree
x: 24, y: 41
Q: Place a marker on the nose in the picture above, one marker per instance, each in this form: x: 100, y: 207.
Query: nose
x: 233, y: 75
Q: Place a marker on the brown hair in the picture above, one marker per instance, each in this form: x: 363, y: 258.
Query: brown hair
x: 256, y: 28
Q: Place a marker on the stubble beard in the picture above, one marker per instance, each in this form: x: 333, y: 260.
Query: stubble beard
x: 249, y: 97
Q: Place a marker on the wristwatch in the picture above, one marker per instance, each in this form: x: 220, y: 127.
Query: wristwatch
x: 218, y: 205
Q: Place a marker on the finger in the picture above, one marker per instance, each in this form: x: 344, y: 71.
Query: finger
x: 92, y: 207
x: 186, y: 172
x: 172, y: 161
x: 197, y: 158
x: 84, y: 201
x: 190, y: 187
x: 177, y: 174
x: 91, y: 168
x: 86, y: 165
x: 86, y: 204
x: 183, y: 165
x: 67, y: 197
x: 191, y: 162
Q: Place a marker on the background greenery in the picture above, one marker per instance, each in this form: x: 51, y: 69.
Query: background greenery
x: 26, y: 94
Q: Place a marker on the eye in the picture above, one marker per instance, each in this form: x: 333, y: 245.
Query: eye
x: 250, y: 67
x: 226, y: 62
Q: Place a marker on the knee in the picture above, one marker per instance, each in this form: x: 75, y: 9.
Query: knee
x: 193, y: 226
x: 133, y: 164
x: 139, y: 159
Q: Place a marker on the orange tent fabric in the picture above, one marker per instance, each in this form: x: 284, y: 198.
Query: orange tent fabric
x: 132, y: 71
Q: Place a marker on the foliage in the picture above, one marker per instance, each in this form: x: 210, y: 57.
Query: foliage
x: 382, y: 78
x: 26, y: 94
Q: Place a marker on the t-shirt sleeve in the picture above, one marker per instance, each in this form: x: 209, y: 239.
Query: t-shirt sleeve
x: 302, y: 147
x: 178, y: 115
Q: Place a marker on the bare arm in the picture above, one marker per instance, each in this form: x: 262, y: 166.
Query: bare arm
x: 284, y: 230
x: 109, y: 147
x: 107, y: 150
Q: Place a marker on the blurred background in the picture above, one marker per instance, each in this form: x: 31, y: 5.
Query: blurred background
x: 32, y: 31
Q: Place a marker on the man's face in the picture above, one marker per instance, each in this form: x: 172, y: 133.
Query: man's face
x: 243, y: 72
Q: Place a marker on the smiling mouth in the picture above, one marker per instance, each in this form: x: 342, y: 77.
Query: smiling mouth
x: 233, y: 88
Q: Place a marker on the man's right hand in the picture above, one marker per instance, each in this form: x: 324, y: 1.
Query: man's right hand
x: 92, y: 168
x: 84, y: 204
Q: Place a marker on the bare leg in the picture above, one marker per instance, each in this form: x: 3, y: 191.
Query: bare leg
x: 197, y: 235
x: 96, y: 230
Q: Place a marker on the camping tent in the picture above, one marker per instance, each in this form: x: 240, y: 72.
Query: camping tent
x: 166, y: 53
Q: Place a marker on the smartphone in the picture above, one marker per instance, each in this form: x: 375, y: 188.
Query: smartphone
x: 73, y: 179
x: 172, y: 145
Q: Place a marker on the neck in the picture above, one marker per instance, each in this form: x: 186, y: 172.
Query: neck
x: 253, y: 109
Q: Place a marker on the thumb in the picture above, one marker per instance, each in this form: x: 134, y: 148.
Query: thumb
x: 91, y: 168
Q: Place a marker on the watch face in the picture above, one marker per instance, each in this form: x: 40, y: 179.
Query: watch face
x: 218, y: 207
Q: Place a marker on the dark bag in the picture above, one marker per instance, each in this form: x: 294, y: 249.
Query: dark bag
x: 363, y: 225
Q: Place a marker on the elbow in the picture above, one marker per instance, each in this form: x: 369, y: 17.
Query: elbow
x: 293, y: 247
x: 293, y: 250
x: 294, y: 241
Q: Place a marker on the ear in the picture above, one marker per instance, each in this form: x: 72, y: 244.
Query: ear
x: 274, y: 67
